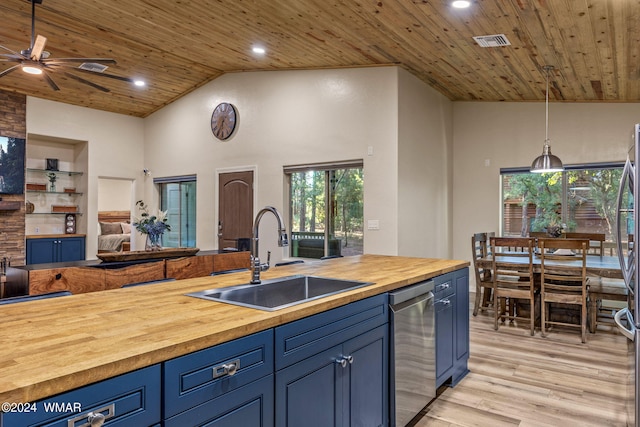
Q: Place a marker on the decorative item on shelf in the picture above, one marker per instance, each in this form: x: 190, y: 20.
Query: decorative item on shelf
x: 52, y: 165
x: 153, y: 226
x: 32, y: 186
x: 70, y: 224
x: 29, y: 207
x: 69, y: 189
x: 64, y: 209
x: 52, y: 181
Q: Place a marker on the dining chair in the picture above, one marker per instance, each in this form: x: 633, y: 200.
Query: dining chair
x: 596, y: 241
x: 566, y: 283
x: 513, y: 279
x: 484, y: 280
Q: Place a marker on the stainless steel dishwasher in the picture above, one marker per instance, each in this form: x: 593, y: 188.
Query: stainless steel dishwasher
x: 413, y: 351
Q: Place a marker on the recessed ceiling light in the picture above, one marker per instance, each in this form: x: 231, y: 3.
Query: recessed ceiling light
x: 461, y: 4
x: 139, y: 83
x: 259, y: 50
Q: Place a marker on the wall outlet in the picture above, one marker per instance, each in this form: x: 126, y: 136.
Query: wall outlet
x: 373, y: 224
x: 37, y: 230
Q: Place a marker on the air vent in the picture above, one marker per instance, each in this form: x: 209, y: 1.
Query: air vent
x: 495, y: 40
x: 92, y: 66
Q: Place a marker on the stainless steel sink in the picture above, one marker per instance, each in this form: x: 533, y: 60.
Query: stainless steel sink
x: 275, y: 294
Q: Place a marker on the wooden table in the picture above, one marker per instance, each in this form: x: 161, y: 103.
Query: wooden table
x: 605, y: 266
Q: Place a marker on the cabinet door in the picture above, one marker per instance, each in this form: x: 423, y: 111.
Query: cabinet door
x: 70, y: 249
x: 307, y: 393
x: 248, y: 406
x: 40, y: 251
x: 366, y: 379
x: 444, y: 337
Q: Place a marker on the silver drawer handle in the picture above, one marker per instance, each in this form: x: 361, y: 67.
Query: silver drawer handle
x: 226, y: 369
x: 445, y: 301
x: 342, y: 361
x: 94, y: 418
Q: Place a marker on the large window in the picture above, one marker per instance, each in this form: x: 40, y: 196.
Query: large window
x: 178, y: 198
x: 580, y: 199
x: 326, y: 209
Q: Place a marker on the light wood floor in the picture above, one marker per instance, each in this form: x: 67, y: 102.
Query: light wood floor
x: 520, y: 380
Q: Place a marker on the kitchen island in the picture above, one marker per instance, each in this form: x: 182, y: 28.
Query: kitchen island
x: 53, y: 346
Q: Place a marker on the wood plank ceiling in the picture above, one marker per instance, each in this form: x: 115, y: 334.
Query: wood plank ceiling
x: 179, y: 45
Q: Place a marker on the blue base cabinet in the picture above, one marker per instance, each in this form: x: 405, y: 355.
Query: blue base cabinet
x: 230, y: 384
x: 58, y: 249
x: 129, y: 400
x: 344, y: 381
x: 452, y: 326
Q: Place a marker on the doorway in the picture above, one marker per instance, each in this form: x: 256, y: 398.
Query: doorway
x: 235, y: 210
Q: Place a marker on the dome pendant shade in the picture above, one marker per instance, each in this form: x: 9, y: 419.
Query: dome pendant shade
x: 546, y: 162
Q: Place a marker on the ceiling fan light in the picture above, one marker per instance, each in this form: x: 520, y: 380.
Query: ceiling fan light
x: 30, y: 69
x: 139, y: 83
x: 461, y: 4
x: 546, y: 162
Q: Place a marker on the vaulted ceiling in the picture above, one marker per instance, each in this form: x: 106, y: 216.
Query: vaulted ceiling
x: 177, y: 46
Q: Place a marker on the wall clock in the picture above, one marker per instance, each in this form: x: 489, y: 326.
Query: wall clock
x: 223, y: 120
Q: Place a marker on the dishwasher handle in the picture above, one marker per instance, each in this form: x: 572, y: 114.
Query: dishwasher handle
x: 410, y: 292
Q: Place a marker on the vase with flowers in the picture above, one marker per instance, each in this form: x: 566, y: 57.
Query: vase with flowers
x: 153, y: 226
x: 52, y: 181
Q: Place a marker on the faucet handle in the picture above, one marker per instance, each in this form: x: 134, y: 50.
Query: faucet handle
x: 268, y: 258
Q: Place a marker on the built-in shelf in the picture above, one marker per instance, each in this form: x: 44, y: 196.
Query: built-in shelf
x: 55, y: 192
x: 50, y: 171
x: 54, y: 213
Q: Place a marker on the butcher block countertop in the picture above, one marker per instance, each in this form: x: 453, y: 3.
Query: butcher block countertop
x: 55, y: 345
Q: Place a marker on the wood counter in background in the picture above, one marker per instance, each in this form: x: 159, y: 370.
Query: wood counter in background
x: 101, y: 276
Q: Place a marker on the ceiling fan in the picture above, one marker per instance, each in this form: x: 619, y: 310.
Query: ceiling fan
x: 35, y: 60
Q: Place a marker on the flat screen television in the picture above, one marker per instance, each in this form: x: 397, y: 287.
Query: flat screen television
x: 12, y: 158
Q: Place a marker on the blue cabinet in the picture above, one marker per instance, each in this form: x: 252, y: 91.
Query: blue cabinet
x: 452, y: 326
x: 333, y: 367
x: 230, y: 384
x: 129, y: 400
x: 58, y: 249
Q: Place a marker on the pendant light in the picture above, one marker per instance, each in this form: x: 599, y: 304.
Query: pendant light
x: 547, y: 162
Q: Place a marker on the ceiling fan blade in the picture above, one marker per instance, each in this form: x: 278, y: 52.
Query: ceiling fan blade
x: 8, y: 70
x: 87, y: 82
x: 81, y: 60
x: 38, y: 47
x: 14, y: 53
x: 50, y: 81
x: 111, y: 76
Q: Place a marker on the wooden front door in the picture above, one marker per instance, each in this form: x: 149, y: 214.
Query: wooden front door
x: 235, y: 208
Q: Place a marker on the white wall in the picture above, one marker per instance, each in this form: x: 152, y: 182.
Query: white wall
x: 114, y: 195
x: 512, y: 134
x: 285, y: 118
x: 115, y: 148
x: 424, y: 193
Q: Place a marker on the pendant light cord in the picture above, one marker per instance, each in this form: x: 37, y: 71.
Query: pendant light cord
x: 546, y: 122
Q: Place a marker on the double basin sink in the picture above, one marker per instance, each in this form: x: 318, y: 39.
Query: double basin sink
x: 276, y: 294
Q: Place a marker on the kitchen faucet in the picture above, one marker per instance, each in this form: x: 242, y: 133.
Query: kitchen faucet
x: 256, y: 267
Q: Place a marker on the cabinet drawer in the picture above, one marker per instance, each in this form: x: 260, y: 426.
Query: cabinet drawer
x: 303, y: 338
x: 250, y: 405
x: 444, y: 286
x: 195, y: 378
x: 129, y: 400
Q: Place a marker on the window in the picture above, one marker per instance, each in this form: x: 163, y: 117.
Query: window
x: 178, y: 198
x: 580, y: 199
x: 326, y: 209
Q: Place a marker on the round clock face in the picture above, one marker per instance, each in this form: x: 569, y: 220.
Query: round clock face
x: 223, y: 120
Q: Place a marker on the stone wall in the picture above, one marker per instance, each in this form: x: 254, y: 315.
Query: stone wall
x: 13, y: 110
